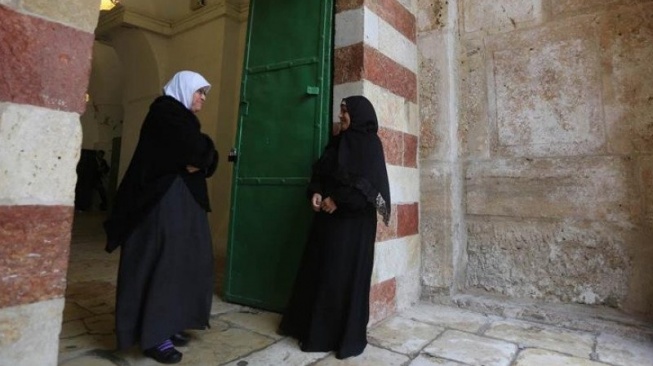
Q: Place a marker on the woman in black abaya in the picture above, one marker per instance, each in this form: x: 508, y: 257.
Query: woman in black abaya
x: 159, y: 220
x: 329, y: 306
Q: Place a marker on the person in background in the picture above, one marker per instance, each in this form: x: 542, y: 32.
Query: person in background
x: 329, y: 306
x: 101, y: 176
x: 159, y: 220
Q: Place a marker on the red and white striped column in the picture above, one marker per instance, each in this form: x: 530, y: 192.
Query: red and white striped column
x: 376, y: 56
x: 45, y: 53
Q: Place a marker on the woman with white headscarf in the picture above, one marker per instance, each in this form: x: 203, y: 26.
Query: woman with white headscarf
x: 159, y: 220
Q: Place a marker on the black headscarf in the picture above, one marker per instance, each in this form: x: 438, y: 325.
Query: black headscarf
x: 355, y: 157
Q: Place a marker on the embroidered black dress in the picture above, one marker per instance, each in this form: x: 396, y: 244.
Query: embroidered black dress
x: 329, y: 306
x: 159, y: 220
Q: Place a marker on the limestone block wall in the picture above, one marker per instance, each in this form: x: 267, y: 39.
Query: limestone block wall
x: 375, y: 55
x: 45, y: 48
x: 553, y: 122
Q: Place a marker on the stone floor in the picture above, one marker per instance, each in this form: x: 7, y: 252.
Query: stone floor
x: 424, y: 335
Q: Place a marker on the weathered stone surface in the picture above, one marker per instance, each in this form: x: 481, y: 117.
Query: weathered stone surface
x: 43, y: 63
x: 432, y: 15
x: 383, y: 300
x: 556, y: 261
x: 72, y: 311
x: 472, y: 349
x: 538, y: 357
x: 373, y: 356
x: 101, y: 324
x: 254, y: 320
x: 538, y: 336
x: 223, y: 345
x: 494, y: 16
x: 409, y: 287
x: 82, y: 14
x: 645, y: 178
x: 594, y: 188
x: 394, y: 257
x: 474, y: 110
x: 393, y: 146
x: 220, y: 307
x: 426, y: 360
x: 34, y: 244
x: 69, y: 348
x: 403, y: 335
x: 436, y: 229
x: 407, y: 219
x: 95, y: 296
x: 28, y: 333
x: 286, y: 352
x: 88, y: 361
x: 624, y: 352
x: 548, y: 98
x: 568, y: 6
x: 433, y: 96
x: 396, y: 15
x: 72, y: 328
x: 625, y: 38
x: 446, y: 317
x: 40, y: 149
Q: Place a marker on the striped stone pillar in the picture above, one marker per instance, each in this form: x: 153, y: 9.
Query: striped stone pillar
x: 376, y: 56
x: 45, y: 54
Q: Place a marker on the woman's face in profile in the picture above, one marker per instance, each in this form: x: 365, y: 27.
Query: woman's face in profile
x: 345, y: 120
x: 198, y: 100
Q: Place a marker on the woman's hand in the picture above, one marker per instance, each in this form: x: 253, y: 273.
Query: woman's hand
x: 316, y: 202
x: 192, y: 169
x: 328, y: 205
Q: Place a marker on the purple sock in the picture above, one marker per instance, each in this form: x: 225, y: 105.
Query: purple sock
x: 165, y: 345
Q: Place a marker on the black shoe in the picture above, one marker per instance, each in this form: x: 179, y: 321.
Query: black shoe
x: 180, y: 339
x: 169, y: 356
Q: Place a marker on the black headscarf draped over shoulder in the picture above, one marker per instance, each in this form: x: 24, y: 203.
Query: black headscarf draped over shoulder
x: 170, y: 139
x: 355, y: 157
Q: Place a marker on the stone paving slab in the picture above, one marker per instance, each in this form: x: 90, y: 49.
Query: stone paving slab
x: 472, y: 349
x: 72, y: 329
x: 88, y: 361
x: 526, y: 334
x: 285, y: 352
x: 220, y: 307
x: 101, y: 324
x: 403, y: 335
x: 539, y: 357
x: 624, y: 352
x: 258, y: 321
x: 447, y: 317
x: 72, y: 311
x: 73, y: 347
x: 426, y: 360
x: 373, y: 356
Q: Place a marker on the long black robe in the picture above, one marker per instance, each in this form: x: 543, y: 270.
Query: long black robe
x: 329, y: 307
x: 165, y: 279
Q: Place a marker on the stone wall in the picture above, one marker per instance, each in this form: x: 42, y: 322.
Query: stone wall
x: 554, y: 124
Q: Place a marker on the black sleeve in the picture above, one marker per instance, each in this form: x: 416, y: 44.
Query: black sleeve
x: 215, y: 158
x: 201, y: 153
x: 314, y: 186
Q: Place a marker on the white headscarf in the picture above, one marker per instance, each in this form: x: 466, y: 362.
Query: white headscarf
x: 183, y: 85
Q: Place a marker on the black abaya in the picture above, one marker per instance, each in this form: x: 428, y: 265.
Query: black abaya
x: 329, y: 306
x: 165, y: 280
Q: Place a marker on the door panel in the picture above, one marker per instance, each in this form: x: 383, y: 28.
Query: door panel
x: 284, y: 123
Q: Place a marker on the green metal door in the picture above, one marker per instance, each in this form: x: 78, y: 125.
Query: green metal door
x: 284, y: 123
